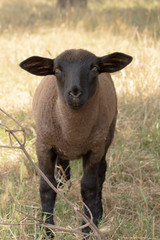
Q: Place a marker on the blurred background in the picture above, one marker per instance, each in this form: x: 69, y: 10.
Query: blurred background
x: 46, y: 28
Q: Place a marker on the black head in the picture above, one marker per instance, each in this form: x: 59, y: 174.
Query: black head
x: 76, y: 72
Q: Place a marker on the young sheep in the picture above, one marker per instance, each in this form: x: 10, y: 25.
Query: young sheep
x: 75, y: 110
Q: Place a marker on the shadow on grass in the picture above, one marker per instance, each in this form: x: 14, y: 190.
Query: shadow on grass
x: 30, y: 16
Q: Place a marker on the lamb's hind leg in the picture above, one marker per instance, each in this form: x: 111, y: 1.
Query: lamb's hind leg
x: 63, y: 171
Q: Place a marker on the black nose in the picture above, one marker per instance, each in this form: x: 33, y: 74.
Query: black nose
x: 75, y: 93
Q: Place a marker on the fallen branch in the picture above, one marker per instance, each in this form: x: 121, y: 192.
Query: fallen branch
x: 53, y: 227
x: 89, y: 221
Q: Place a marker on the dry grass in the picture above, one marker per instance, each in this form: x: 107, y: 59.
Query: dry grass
x: 132, y: 188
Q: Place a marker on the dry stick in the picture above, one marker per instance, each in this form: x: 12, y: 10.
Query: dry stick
x: 9, y: 133
x: 42, y: 224
x: 22, y: 129
x: 88, y: 221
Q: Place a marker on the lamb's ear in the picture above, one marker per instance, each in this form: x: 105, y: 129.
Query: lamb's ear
x: 38, y: 65
x: 114, y: 62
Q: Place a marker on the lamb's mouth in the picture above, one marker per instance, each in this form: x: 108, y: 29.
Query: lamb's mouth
x: 75, y: 104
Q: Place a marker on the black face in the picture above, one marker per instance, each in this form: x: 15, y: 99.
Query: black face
x: 76, y: 72
x: 76, y: 80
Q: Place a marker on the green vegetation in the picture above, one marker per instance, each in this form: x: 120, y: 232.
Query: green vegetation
x: 132, y: 187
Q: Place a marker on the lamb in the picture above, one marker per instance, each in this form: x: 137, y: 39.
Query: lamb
x: 75, y: 110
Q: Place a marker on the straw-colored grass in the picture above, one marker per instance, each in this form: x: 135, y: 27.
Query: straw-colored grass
x: 131, y: 195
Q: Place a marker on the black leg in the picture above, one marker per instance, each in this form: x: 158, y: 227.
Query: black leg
x: 91, y: 189
x: 92, y: 180
x: 63, y: 171
x: 47, y: 161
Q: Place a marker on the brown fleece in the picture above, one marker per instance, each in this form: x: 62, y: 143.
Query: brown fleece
x: 72, y: 133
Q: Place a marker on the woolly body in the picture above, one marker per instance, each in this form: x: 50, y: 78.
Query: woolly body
x: 74, y: 133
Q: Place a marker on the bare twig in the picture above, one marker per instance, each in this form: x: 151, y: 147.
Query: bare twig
x: 62, y: 229
x: 89, y: 222
x: 42, y: 224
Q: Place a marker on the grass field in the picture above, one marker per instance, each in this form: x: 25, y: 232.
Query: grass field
x: 131, y: 196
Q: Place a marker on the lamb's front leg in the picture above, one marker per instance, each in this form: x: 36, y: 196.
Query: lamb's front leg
x: 47, y: 161
x: 91, y: 187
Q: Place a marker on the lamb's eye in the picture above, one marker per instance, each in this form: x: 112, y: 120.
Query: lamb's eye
x: 94, y: 69
x: 57, y: 70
